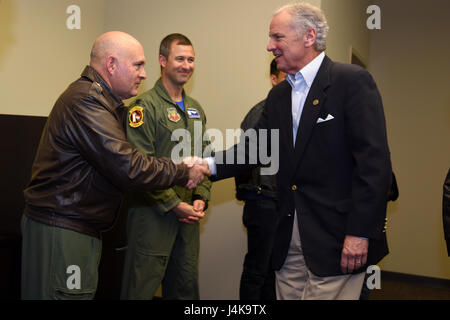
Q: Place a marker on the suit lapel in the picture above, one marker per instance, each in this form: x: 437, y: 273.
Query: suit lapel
x: 311, y: 109
x: 285, y: 114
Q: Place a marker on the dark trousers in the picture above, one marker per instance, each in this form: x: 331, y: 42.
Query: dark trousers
x: 258, y: 280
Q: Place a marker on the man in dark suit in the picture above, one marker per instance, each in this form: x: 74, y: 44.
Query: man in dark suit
x: 334, y: 163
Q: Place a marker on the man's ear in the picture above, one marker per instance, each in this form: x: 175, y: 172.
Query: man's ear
x: 273, y: 80
x: 310, y: 37
x: 162, y: 60
x: 111, y: 64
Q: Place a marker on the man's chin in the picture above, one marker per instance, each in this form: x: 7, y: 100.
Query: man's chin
x: 128, y: 95
x: 281, y: 66
x: 182, y: 82
x: 134, y: 93
x: 182, y: 79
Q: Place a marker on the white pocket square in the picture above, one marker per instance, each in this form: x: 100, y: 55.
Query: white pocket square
x: 329, y: 117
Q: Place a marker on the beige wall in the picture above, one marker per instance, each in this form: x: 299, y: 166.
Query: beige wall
x: 347, y: 21
x: 410, y: 62
x: 39, y: 56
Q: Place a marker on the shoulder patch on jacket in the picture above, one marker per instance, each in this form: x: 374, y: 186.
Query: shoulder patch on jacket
x: 136, y: 116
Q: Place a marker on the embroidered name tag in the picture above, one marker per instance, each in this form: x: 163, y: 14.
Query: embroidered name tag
x: 193, y: 113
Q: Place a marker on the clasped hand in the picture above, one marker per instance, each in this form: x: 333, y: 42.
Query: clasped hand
x: 190, y: 214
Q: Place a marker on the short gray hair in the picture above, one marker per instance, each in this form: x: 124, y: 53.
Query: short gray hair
x: 305, y: 16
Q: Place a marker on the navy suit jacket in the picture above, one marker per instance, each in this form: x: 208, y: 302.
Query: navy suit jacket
x: 338, y: 175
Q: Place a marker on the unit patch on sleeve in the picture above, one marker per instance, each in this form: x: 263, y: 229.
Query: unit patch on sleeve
x: 173, y: 114
x: 136, y: 116
x: 193, y: 113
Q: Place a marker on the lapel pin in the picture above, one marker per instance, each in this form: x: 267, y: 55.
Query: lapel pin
x: 316, y: 102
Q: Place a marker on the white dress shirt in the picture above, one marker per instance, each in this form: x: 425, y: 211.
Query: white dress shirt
x: 301, y: 83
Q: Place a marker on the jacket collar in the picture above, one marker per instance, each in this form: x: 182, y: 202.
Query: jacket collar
x: 93, y: 76
x: 308, y: 72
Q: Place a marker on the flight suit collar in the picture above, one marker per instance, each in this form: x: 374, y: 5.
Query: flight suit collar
x: 162, y: 92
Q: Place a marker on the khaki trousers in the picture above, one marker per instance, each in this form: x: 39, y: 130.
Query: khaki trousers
x: 294, y: 281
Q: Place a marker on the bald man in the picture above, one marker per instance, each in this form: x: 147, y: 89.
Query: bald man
x: 82, y: 165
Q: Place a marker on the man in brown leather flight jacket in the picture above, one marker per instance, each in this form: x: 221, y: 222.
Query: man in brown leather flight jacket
x: 82, y: 166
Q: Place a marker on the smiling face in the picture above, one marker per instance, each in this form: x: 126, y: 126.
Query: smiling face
x: 291, y: 51
x: 179, y: 66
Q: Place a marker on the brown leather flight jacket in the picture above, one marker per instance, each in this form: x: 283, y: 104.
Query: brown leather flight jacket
x: 84, y: 162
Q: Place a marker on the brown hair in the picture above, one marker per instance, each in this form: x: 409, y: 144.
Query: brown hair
x: 166, y: 43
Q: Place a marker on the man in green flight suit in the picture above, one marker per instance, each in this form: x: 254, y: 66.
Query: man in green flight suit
x: 163, y: 225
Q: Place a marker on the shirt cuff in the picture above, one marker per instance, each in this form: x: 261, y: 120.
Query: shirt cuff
x: 211, y: 165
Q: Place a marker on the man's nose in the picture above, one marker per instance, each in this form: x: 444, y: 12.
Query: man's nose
x: 187, y: 64
x: 270, y: 46
x: 143, y: 74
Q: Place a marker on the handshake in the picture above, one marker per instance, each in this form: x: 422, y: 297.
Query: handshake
x: 198, y: 169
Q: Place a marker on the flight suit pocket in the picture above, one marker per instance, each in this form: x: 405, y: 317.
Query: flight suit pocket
x: 66, y: 294
x: 75, y: 262
x: 77, y: 283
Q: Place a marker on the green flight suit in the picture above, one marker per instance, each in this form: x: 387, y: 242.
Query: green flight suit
x: 160, y: 248
x: 58, y: 263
